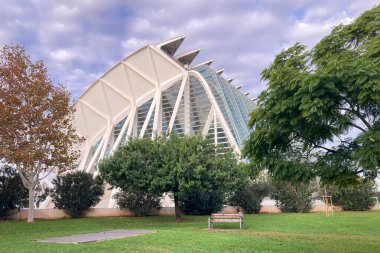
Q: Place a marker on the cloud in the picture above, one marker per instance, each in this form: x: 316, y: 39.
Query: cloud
x: 316, y: 23
x: 132, y: 44
x: 62, y: 55
x: 79, y: 40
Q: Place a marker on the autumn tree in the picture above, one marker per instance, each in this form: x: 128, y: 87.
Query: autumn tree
x: 36, y: 131
x: 320, y: 113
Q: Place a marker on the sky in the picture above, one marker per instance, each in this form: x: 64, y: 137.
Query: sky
x: 79, y: 40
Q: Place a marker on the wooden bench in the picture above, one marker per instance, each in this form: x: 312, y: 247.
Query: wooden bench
x: 221, y: 217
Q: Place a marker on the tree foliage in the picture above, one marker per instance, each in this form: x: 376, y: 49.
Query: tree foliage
x: 140, y: 203
x: 140, y: 158
x: 171, y: 164
x: 132, y: 169
x: 195, y: 163
x: 249, y: 196
x: 357, y: 197
x: 314, y: 100
x: 12, y: 196
x: 201, y: 202
x: 292, y: 197
x: 76, y: 192
x: 36, y: 130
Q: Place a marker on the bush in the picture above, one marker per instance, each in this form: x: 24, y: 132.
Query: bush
x: 250, y: 196
x: 76, y: 192
x: 137, y: 202
x: 354, y: 197
x: 13, y: 194
x: 292, y: 197
x: 199, y: 202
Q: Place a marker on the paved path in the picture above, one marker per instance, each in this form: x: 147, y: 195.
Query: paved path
x: 94, y: 237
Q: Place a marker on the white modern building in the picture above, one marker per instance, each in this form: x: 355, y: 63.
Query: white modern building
x: 154, y: 91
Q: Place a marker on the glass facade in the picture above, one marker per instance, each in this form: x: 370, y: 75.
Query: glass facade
x: 234, y: 105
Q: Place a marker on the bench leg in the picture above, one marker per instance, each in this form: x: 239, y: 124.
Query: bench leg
x: 209, y: 223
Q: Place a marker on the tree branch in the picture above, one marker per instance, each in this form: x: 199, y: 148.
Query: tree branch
x: 38, y: 169
x: 319, y: 146
x: 25, y: 179
x: 47, y: 174
x: 356, y: 113
x: 327, y: 149
x: 358, y: 127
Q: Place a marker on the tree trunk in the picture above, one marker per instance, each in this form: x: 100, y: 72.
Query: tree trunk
x: 176, y: 207
x: 31, y: 205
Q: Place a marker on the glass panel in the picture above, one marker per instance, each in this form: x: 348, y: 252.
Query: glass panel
x: 142, y: 113
x: 200, y: 105
x: 169, y: 97
x: 118, y: 127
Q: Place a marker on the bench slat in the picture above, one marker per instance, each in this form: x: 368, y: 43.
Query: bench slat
x: 225, y: 220
x: 227, y: 216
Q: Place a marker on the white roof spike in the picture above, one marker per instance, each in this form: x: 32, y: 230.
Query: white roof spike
x: 208, y: 63
x: 171, y: 46
x: 188, y: 57
x: 220, y: 71
x: 247, y: 93
x: 239, y: 87
x: 230, y: 80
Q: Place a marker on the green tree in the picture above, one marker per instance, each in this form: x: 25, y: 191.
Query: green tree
x: 12, y: 196
x: 133, y: 168
x: 76, y: 192
x: 138, y: 202
x: 171, y: 164
x: 314, y: 100
x: 250, y: 195
x: 195, y: 163
x: 292, y: 197
x: 359, y: 197
x: 200, y: 202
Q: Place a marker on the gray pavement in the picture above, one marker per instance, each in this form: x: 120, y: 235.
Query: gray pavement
x: 94, y: 237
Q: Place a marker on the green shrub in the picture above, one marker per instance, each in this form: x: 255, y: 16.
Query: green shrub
x: 250, y: 196
x: 13, y: 194
x: 76, y: 192
x: 200, y: 202
x: 140, y: 203
x: 354, y: 197
x: 292, y: 197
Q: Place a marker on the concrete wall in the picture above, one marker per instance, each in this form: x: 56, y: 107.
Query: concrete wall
x: 48, y: 214
x: 53, y: 213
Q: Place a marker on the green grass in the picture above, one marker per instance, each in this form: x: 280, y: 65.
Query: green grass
x: 346, y: 232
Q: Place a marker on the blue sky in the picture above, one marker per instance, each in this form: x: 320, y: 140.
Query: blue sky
x: 79, y: 40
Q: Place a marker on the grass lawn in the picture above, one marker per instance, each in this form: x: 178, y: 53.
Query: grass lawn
x: 346, y: 232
